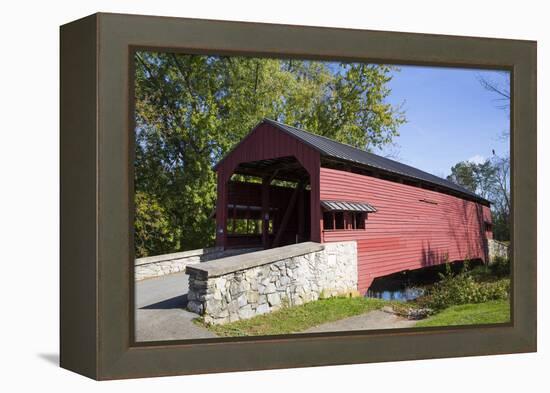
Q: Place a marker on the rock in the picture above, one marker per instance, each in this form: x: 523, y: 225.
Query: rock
x: 242, y: 301
x: 233, y: 306
x: 246, y: 312
x: 284, y: 281
x: 199, y: 284
x: 220, y: 283
x: 214, y: 307
x: 387, y: 309
x: 195, y: 307
x: 235, y: 288
x: 262, y: 309
x: 252, y: 297
x: 274, y: 299
x: 419, y: 313
x: 244, y: 286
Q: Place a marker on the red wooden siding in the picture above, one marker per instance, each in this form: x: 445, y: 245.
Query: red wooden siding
x: 405, y: 232
x: 267, y: 142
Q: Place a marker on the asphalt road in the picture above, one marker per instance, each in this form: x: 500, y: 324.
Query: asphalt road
x: 160, y: 310
x: 161, y: 314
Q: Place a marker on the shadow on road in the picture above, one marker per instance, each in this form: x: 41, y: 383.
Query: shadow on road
x: 175, y: 302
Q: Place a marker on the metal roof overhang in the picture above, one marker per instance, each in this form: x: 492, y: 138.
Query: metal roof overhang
x: 348, y: 206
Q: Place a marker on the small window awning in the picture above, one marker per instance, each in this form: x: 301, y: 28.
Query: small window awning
x: 347, y: 206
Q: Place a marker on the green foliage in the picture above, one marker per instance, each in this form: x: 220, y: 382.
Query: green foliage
x: 463, y: 173
x: 475, y: 177
x: 489, y: 179
x: 463, y: 288
x: 190, y: 110
x: 500, y: 267
x: 152, y: 227
x: 501, y: 224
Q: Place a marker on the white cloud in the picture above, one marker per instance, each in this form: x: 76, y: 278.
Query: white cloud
x: 477, y: 159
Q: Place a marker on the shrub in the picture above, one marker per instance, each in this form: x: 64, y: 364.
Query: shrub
x: 152, y: 230
x: 463, y: 289
x: 482, y: 273
x: 500, y: 266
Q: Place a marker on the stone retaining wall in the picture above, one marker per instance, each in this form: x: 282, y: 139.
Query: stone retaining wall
x: 497, y: 249
x: 160, y: 265
x: 242, y: 287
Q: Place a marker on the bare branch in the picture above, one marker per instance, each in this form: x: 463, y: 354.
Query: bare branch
x: 494, y: 88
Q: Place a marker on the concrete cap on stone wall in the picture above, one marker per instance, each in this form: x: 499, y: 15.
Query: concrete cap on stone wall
x: 219, y: 267
x: 176, y: 255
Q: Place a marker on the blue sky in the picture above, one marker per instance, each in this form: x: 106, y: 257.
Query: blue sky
x: 451, y: 117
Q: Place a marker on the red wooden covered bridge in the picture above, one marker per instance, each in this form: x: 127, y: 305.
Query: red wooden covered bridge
x: 282, y: 185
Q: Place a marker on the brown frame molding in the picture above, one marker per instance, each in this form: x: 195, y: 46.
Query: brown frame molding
x: 97, y: 193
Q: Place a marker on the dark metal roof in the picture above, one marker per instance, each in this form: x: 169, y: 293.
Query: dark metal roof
x: 341, y: 151
x: 348, y: 206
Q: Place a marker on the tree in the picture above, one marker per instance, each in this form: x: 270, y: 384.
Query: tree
x: 490, y: 180
x: 501, y: 198
x: 192, y: 109
x: 463, y: 174
x: 499, y: 84
x: 152, y: 229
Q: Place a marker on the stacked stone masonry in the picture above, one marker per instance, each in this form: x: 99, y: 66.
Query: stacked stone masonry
x: 313, y: 271
x: 161, y: 265
x: 497, y: 249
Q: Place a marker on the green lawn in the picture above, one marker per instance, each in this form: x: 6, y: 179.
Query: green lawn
x: 297, y: 319
x: 497, y: 311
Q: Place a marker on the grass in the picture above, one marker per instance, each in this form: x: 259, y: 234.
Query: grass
x: 297, y: 319
x: 452, y: 298
x: 497, y: 311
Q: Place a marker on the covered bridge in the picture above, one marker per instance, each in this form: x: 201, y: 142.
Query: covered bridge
x: 282, y: 185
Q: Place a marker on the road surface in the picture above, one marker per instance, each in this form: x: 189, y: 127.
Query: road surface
x: 160, y: 310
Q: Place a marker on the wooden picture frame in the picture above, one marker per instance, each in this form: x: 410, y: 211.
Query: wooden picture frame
x: 96, y: 196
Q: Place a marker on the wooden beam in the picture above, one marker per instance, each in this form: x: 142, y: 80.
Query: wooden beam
x: 266, y: 181
x: 278, y: 176
x: 222, y: 211
x: 301, y: 216
x: 234, y: 219
x: 272, y: 177
x: 287, y: 214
